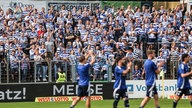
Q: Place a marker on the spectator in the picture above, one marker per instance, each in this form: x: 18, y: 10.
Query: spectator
x: 50, y: 47
x: 40, y: 32
x: 77, y: 44
x: 118, y: 30
x: 45, y: 65
x: 25, y: 66
x: 84, y: 18
x: 137, y: 73
x: 27, y: 28
x: 14, y: 66
x: 97, y: 69
x: 38, y: 59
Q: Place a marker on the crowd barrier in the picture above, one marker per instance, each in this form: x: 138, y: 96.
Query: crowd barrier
x: 49, y: 73
x: 169, y: 70
x: 36, y: 72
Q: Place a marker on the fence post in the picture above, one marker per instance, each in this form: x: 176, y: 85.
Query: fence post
x: 109, y: 73
x: 19, y: 74
x: 73, y: 72
x: 0, y: 72
x: 8, y: 72
x: 66, y: 70
x: 49, y: 71
x: 35, y: 77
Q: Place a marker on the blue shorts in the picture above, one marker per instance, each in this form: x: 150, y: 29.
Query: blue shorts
x: 83, y: 91
x: 151, y: 91
x: 118, y: 93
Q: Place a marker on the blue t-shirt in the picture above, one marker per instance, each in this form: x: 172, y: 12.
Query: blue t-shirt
x: 119, y: 78
x: 183, y: 83
x: 150, y: 75
x: 83, y: 71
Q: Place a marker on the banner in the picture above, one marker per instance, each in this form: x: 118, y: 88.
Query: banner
x: 90, y: 5
x: 173, y: 97
x: 38, y: 4
x: 28, y: 92
x: 64, y: 91
x: 137, y: 88
x: 6, y: 4
x: 64, y: 98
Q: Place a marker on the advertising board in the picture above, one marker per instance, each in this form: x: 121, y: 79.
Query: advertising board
x: 137, y: 88
x: 28, y: 92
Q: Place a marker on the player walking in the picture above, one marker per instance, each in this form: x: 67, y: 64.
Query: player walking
x: 120, y: 88
x: 183, y: 85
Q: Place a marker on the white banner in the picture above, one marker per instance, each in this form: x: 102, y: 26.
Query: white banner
x: 137, y: 88
x: 6, y: 4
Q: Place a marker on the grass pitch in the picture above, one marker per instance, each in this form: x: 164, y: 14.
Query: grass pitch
x: 134, y: 103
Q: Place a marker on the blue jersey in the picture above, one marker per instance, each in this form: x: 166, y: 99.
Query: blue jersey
x: 83, y: 71
x: 150, y: 75
x: 183, y: 83
x: 119, y: 78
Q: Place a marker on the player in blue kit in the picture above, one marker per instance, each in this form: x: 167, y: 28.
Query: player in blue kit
x: 83, y: 83
x: 151, y: 70
x: 120, y: 88
x: 183, y: 85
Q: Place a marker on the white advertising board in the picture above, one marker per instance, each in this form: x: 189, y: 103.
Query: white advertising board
x: 38, y: 4
x: 137, y: 88
x: 6, y: 4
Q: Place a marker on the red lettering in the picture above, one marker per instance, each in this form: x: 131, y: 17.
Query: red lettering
x: 46, y: 99
x: 171, y: 96
x: 73, y: 98
x: 99, y: 98
x: 57, y: 99
x: 40, y: 99
x: 65, y: 99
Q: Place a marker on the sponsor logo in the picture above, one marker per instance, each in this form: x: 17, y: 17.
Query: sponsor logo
x: 13, y: 94
x: 64, y: 98
x: 172, y: 96
x: 71, y: 90
x: 138, y: 87
x: 130, y: 88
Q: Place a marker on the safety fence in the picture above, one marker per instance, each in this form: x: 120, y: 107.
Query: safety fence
x: 169, y: 69
x: 48, y: 71
x: 42, y: 71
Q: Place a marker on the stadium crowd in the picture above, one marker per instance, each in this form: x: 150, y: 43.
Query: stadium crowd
x: 28, y: 34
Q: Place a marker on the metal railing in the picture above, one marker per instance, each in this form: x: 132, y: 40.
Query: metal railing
x: 169, y: 69
x: 36, y: 73
x: 39, y: 72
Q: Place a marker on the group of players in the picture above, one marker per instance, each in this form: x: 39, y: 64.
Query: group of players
x: 122, y: 68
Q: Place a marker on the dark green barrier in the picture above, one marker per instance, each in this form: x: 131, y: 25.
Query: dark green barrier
x: 28, y: 92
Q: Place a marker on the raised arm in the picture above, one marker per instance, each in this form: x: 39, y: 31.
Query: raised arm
x: 128, y: 68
